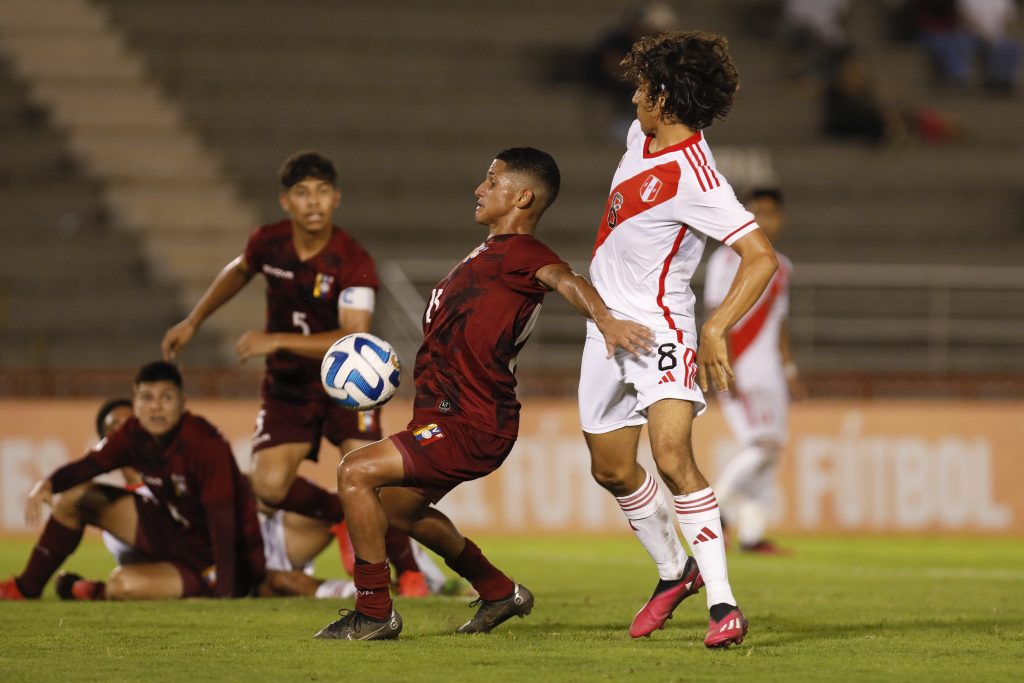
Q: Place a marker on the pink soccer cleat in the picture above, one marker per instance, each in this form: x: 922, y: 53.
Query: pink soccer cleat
x: 667, y: 596
x: 9, y: 590
x: 729, y: 630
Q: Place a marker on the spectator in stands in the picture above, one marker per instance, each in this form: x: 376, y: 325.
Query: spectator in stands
x: 853, y: 111
x: 815, y: 34
x: 990, y: 23
x: 604, y: 70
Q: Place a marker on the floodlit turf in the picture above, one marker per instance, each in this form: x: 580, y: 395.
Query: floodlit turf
x: 891, y: 609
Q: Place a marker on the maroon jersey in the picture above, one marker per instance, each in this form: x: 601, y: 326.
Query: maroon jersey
x: 193, y: 474
x: 302, y: 296
x: 478, y: 319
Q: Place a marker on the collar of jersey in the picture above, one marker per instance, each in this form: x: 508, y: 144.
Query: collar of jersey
x: 688, y: 142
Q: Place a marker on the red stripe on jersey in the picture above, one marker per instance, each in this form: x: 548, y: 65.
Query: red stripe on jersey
x: 743, y: 335
x: 661, y: 282
x: 696, y: 170
x: 709, y: 172
x: 729, y: 236
x: 637, y: 195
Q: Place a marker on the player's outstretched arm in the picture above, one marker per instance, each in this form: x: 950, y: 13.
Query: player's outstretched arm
x: 229, y: 282
x: 757, y: 265
x: 254, y: 343
x: 631, y: 336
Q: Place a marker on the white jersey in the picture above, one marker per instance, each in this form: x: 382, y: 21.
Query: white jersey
x: 661, y: 209
x: 754, y: 339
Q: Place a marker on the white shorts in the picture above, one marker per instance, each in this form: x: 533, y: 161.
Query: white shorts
x: 275, y: 544
x: 616, y: 392
x: 757, y: 414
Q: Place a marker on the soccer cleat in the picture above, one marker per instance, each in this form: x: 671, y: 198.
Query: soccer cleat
x: 345, y: 549
x: 354, y: 625
x: 71, y: 586
x: 493, y: 613
x: 666, y: 597
x: 764, y: 548
x: 729, y: 630
x: 412, y: 585
x: 9, y: 590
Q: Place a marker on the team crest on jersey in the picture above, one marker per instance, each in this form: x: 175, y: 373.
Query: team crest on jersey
x: 180, y: 485
x: 322, y: 286
x: 651, y: 187
x: 428, y: 434
x: 476, y: 252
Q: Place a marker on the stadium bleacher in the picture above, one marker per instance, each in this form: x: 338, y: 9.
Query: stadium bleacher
x: 413, y: 102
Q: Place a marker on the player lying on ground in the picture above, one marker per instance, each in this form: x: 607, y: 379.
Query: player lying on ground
x: 465, y: 415
x: 666, y: 199
x: 199, y: 534
x: 321, y: 285
x: 756, y: 406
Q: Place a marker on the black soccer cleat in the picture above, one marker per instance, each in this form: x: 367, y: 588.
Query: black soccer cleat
x: 354, y: 625
x: 492, y: 614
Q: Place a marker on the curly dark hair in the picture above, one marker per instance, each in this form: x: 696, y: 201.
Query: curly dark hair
x: 692, y: 69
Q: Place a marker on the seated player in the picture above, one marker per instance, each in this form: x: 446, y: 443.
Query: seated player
x: 199, y: 534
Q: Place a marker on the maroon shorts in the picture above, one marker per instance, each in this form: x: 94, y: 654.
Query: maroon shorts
x: 280, y: 422
x: 440, y: 455
x: 160, y: 539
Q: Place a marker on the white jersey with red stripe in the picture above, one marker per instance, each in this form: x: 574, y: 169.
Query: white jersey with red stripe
x: 754, y: 339
x: 661, y: 209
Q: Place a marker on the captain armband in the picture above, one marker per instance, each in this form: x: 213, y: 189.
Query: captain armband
x: 358, y: 298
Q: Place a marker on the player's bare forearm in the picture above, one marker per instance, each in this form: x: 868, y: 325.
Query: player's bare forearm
x: 631, y: 336
x: 310, y: 345
x: 229, y: 281
x: 757, y: 265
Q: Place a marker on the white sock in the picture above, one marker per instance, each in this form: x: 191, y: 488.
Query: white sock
x: 651, y: 520
x: 336, y: 588
x: 702, y: 527
x: 751, y: 523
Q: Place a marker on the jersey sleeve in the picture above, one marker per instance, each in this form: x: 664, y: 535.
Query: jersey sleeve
x: 718, y: 277
x: 255, y: 251
x: 360, y: 270
x: 107, y: 455
x: 215, y: 474
x: 715, y: 213
x: 525, y: 256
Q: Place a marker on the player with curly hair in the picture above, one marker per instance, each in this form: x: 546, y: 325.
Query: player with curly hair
x: 667, y: 197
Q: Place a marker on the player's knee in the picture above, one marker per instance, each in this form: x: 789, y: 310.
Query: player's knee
x: 613, y: 477
x: 65, y: 504
x: 121, y: 585
x: 353, y: 475
x: 270, y: 484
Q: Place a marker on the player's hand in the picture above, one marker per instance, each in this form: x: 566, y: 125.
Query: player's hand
x: 41, y: 493
x: 254, y: 343
x: 176, y: 338
x: 625, y: 334
x: 713, y: 359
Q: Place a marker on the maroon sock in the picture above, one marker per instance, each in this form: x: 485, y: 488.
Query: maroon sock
x: 373, y: 583
x: 487, y: 579
x: 306, y: 498
x: 399, y: 551
x: 55, y: 544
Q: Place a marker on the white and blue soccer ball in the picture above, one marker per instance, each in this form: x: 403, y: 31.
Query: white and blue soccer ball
x: 360, y: 371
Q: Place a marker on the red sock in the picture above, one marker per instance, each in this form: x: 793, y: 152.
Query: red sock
x: 55, y: 544
x: 310, y: 500
x: 373, y: 581
x: 399, y: 551
x: 487, y: 579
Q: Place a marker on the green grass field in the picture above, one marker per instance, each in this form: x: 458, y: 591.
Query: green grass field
x: 891, y: 609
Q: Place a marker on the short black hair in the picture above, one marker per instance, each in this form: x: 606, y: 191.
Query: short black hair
x: 109, y: 406
x: 538, y: 165
x: 307, y: 164
x: 692, y: 69
x: 773, y: 193
x: 159, y: 371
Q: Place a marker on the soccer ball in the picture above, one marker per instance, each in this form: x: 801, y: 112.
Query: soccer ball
x: 360, y: 371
